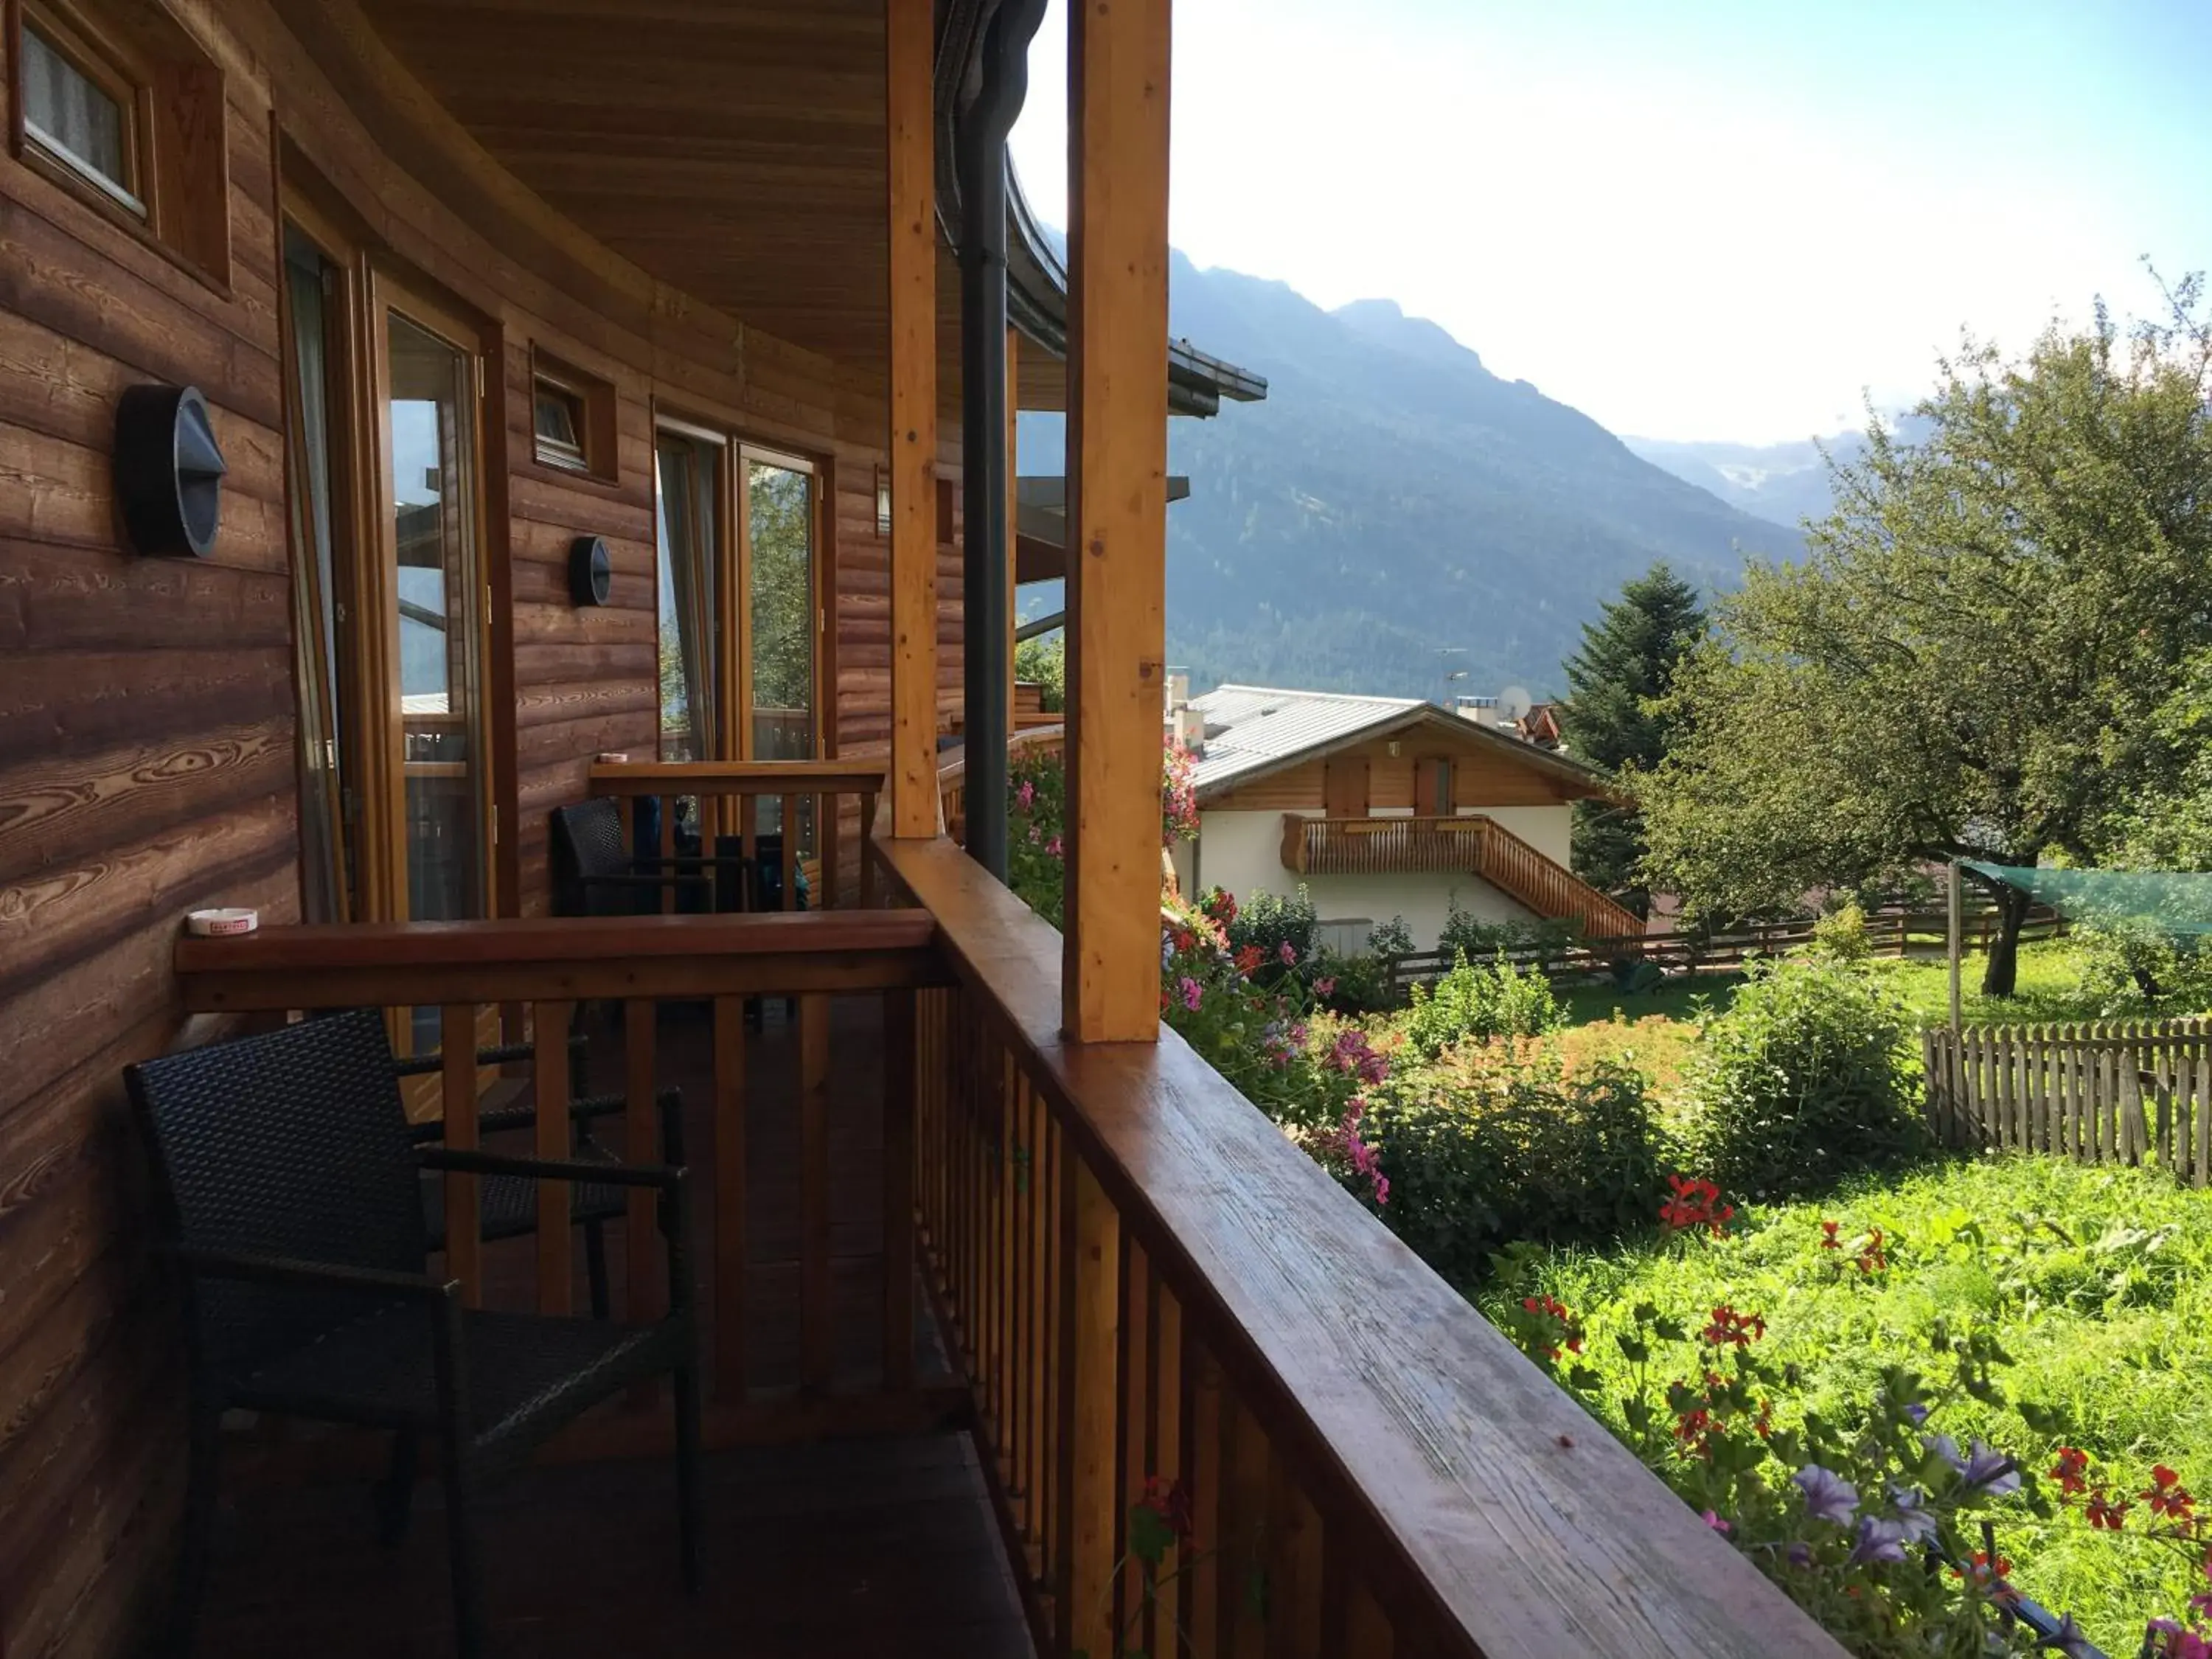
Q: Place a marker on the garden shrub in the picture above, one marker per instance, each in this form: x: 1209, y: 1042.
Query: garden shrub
x: 1472, y: 1004
x: 1272, y: 923
x: 1841, y: 934
x: 1805, y: 1078
x: 1543, y: 943
x: 2134, y: 966
x: 1391, y: 939
x: 1356, y: 984
x: 1504, y: 1148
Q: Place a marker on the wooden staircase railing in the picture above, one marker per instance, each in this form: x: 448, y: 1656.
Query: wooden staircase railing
x: 1346, y: 847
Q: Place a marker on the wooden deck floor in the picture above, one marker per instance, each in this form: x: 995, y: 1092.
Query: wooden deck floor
x: 857, y: 1549
x: 869, y: 1546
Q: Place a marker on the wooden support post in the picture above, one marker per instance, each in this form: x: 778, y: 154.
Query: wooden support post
x: 911, y: 115
x: 1951, y: 903
x: 457, y: 1042
x: 556, y: 1141
x: 1090, y: 1338
x: 1117, y: 515
x: 899, y: 1101
x: 1013, y: 517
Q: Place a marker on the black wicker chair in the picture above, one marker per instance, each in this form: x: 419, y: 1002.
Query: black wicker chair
x: 289, y: 1192
x: 594, y: 874
x: 509, y: 1203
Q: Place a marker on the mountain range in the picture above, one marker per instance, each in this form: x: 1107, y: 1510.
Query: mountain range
x: 1786, y: 483
x: 1394, y: 512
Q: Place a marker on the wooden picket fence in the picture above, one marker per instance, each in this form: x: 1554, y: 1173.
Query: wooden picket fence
x: 2106, y: 1091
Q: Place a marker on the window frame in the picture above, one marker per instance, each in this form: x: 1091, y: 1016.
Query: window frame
x: 590, y: 403
x: 115, y: 71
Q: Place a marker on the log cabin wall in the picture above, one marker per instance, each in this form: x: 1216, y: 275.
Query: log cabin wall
x: 148, y: 761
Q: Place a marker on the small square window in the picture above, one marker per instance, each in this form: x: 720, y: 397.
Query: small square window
x: 81, y: 115
x: 572, y: 418
x: 560, y: 424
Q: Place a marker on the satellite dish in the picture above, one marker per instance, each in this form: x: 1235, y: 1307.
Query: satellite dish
x: 1514, y: 701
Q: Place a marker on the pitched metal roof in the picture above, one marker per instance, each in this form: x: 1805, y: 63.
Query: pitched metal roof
x: 1255, y: 729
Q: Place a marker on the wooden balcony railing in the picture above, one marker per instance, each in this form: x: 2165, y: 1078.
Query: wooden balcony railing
x: 1140, y: 1277
x: 1479, y: 845
x: 729, y: 791
x: 1036, y: 742
x: 536, y: 973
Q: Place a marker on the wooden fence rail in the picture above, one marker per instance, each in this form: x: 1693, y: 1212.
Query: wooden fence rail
x: 2110, y: 1091
x: 1889, y: 935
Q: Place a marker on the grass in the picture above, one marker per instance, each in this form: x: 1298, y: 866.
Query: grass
x: 2097, y: 1282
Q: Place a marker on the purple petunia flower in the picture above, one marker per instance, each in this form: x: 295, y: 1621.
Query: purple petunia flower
x: 1718, y: 1525
x: 1289, y: 952
x: 1880, y: 1540
x: 1916, y: 1525
x: 1945, y: 1447
x: 1192, y: 995
x: 1828, y: 1496
x: 1915, y: 1414
x: 1990, y: 1471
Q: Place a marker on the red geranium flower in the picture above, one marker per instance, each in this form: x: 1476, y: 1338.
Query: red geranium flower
x: 2072, y: 1468
x: 2167, y: 1495
x: 2108, y: 1514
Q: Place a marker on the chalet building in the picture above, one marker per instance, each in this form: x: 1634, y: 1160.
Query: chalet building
x: 1383, y: 807
x: 512, y: 493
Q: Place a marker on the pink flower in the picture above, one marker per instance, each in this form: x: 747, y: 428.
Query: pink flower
x: 1053, y: 849
x: 1715, y: 1522
x: 1036, y: 834
x: 1192, y: 995
x: 1026, y: 794
x: 1289, y: 953
x: 1325, y: 988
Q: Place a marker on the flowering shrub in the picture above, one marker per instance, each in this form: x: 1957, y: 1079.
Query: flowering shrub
x: 1257, y: 1023
x: 1036, y: 812
x: 1272, y: 926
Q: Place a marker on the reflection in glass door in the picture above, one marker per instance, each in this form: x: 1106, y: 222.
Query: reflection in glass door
x: 329, y: 801
x: 430, y: 394
x: 780, y: 622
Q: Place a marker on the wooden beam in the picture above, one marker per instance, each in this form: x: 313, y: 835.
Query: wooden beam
x: 910, y: 113
x: 1013, y: 512
x: 1116, y: 515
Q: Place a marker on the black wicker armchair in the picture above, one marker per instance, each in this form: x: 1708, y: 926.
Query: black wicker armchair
x: 289, y: 1192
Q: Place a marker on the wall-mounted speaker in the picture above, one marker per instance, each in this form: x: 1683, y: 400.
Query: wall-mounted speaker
x: 168, y: 470
x: 591, y: 572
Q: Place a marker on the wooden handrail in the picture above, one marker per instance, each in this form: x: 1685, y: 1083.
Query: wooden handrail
x: 537, y: 976
x: 377, y: 963
x: 1336, y: 1406
x: 844, y: 777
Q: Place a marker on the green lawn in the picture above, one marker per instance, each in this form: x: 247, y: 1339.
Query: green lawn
x: 2098, y: 1284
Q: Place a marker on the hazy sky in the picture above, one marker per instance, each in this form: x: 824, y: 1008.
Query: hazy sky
x: 1688, y: 218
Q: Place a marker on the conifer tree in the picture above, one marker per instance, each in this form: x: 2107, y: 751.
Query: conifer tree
x: 1626, y: 663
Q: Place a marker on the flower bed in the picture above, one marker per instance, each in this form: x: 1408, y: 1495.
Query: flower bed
x: 1843, y: 1385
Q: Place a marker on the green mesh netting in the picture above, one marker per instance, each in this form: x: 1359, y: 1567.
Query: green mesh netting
x: 2171, y: 902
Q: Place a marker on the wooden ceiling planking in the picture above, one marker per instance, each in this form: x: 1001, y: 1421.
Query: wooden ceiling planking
x: 735, y: 151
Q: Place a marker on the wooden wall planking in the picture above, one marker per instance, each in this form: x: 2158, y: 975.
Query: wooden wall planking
x: 148, y: 749
x: 1481, y: 778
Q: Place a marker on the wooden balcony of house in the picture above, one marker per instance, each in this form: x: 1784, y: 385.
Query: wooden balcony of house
x: 1468, y: 843
x: 968, y: 1288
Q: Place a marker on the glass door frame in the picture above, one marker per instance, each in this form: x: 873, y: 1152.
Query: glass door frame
x: 388, y: 292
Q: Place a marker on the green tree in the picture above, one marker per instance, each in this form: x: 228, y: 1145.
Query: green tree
x: 1969, y: 659
x: 1043, y: 662
x: 1615, y: 719
x: 779, y: 507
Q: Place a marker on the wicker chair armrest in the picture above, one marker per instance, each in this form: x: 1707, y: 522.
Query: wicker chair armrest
x: 583, y: 1111
x: 644, y: 878
x: 245, y: 1266
x: 552, y: 1169
x: 503, y: 1054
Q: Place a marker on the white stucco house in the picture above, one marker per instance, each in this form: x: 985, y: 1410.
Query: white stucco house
x: 1382, y: 807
